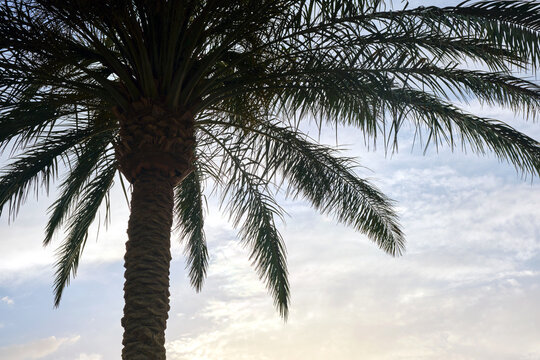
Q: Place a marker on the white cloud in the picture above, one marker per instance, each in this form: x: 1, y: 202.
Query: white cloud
x: 36, y: 349
x: 7, y: 300
x: 84, y: 356
x: 23, y: 256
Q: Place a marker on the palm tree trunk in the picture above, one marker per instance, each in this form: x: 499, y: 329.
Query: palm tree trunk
x: 147, y: 260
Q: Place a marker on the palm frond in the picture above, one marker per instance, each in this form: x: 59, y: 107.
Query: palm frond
x: 189, y: 208
x: 369, y: 99
x: 523, y: 13
x: 37, y: 167
x: 253, y: 211
x: 332, y: 187
x: 91, y: 160
x: 447, y: 124
x: 327, y: 181
x: 69, y: 253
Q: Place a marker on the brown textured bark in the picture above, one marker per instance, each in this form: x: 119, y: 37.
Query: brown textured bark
x: 147, y: 260
x: 155, y: 138
x: 155, y: 151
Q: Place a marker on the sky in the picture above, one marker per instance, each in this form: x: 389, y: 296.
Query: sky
x: 467, y: 287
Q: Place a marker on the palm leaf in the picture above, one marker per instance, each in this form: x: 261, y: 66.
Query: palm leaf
x: 69, y: 253
x: 189, y: 207
x: 253, y: 211
x: 38, y: 164
x: 327, y: 181
x: 91, y: 160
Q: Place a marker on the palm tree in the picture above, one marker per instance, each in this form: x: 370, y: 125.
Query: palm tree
x: 176, y: 95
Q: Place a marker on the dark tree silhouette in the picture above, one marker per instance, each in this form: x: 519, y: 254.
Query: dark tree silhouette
x: 171, y: 94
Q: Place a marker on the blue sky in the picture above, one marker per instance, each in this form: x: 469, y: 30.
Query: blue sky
x: 467, y: 288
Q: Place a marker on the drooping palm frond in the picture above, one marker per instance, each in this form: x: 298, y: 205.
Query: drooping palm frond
x: 85, y: 211
x: 36, y: 110
x: 91, y: 159
x: 316, y: 173
x: 253, y: 210
x: 37, y: 167
x: 189, y: 208
x: 447, y: 124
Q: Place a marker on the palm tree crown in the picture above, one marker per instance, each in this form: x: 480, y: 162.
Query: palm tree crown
x: 196, y: 92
